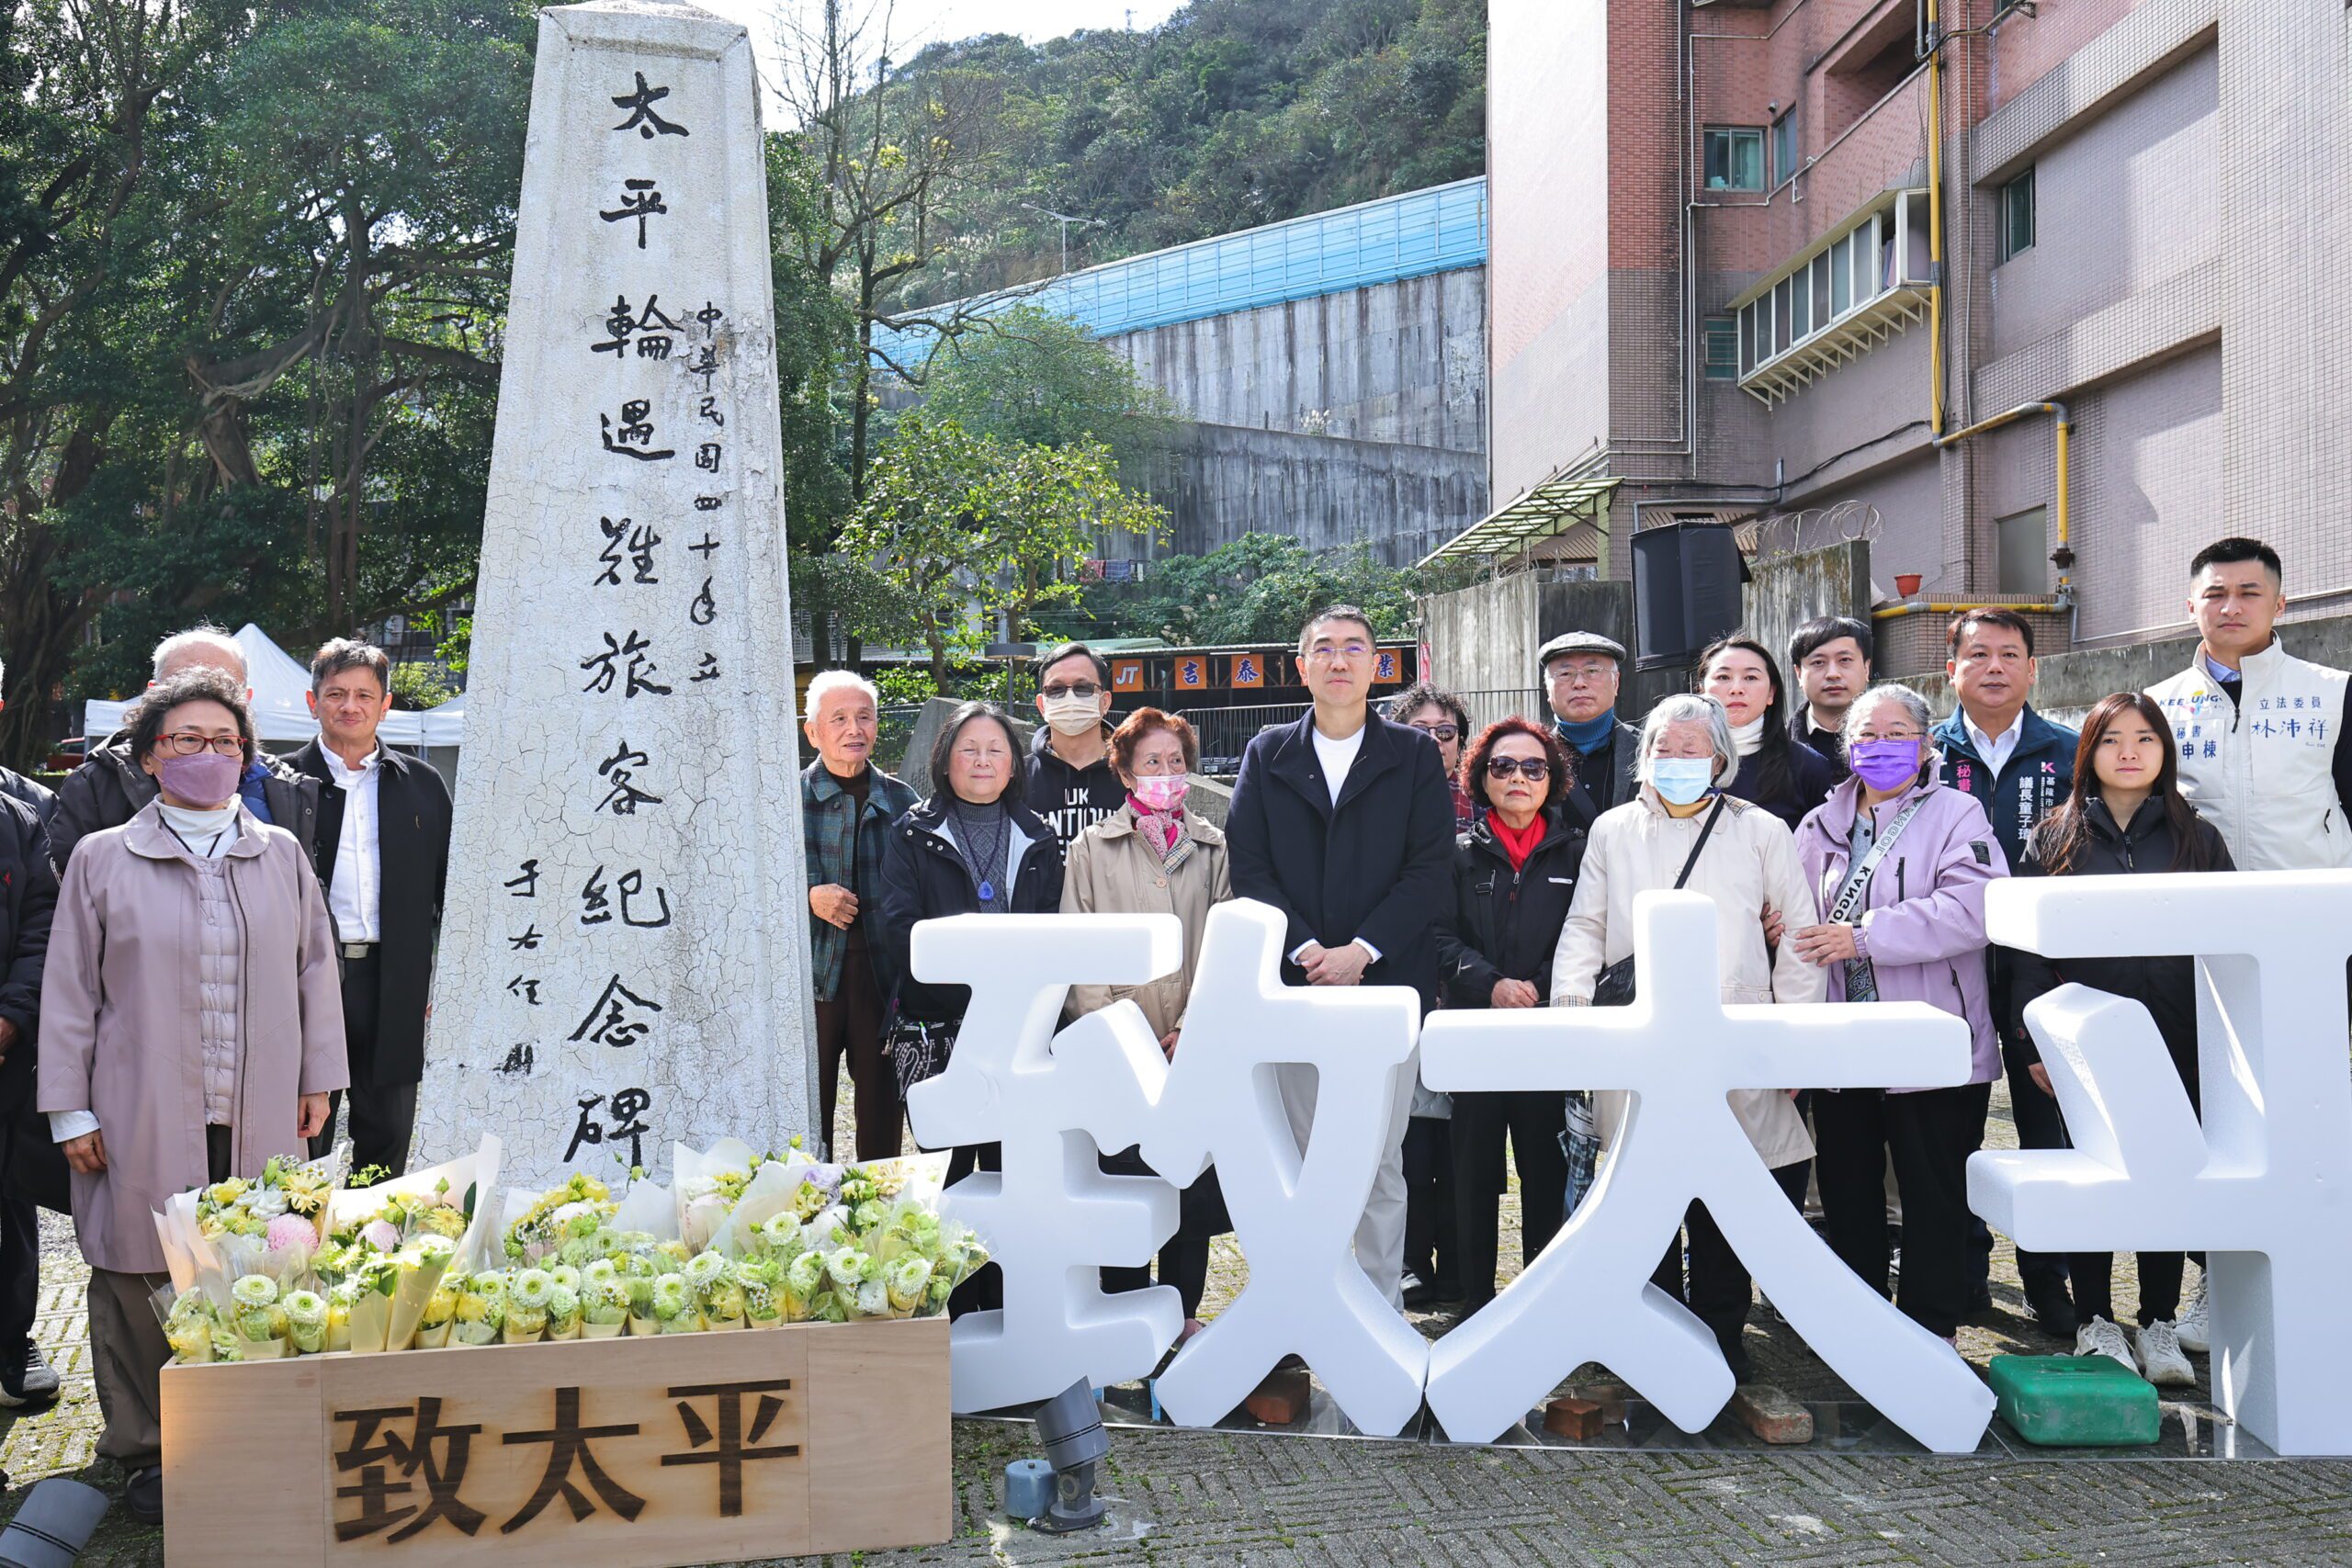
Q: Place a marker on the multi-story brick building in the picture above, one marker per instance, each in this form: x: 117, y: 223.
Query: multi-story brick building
x: 1714, y: 279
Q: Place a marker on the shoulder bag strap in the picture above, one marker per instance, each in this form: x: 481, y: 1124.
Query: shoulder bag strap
x: 1850, y: 897
x: 1704, y: 828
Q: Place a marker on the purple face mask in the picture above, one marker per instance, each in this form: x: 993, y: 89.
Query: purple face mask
x: 208, y: 778
x: 1884, y: 764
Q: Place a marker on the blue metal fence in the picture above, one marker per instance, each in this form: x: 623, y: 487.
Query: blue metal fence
x: 1421, y: 231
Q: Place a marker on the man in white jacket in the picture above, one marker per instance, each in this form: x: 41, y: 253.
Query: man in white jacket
x: 2266, y: 751
x: 2265, y: 741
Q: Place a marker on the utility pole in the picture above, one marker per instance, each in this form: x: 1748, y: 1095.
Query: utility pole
x: 1064, y: 219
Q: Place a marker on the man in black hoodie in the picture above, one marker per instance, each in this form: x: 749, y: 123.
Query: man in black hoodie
x: 1067, y: 779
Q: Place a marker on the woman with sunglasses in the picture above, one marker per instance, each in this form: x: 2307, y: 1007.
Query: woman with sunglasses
x: 1514, y: 873
x: 1440, y: 714
x: 191, y: 1028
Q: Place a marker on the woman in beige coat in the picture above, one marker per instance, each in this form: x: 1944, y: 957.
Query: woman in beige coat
x: 191, y: 1027
x: 1153, y: 857
x: 1749, y: 868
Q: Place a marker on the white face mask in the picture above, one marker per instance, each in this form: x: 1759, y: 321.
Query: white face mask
x: 1073, y: 716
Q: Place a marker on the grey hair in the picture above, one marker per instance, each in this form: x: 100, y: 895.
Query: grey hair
x: 1913, y: 703
x: 1690, y: 708
x: 179, y: 644
x: 831, y: 680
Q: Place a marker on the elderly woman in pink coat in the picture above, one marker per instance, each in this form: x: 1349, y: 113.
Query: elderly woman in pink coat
x: 1900, y: 864
x: 191, y: 1027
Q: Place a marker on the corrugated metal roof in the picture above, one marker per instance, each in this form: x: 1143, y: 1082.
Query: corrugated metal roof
x: 1411, y: 236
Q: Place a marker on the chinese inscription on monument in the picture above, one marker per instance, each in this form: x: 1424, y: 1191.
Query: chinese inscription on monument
x: 623, y: 965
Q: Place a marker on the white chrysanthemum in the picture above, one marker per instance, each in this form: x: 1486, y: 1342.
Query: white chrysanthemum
x: 669, y: 1295
x: 845, y: 1266
x: 254, y: 1291
x: 493, y: 1285
x: 603, y: 1271
x: 566, y: 1275
x: 704, y: 1268
x: 306, y: 1307
x: 531, y: 1290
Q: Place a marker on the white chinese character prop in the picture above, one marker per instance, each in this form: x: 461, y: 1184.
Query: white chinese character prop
x: 1294, y: 1208
x: 2263, y: 1187
x: 1052, y: 1218
x: 624, y: 959
x: 1682, y: 1052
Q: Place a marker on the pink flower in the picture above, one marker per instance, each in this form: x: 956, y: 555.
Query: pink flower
x: 291, y: 1230
x: 381, y: 1235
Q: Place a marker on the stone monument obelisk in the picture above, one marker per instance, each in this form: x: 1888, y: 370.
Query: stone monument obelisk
x: 624, y: 956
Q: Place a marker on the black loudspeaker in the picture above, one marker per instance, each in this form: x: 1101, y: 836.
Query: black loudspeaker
x: 1686, y: 578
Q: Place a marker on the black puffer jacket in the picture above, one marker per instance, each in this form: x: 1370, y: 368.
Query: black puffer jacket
x: 1504, y: 924
x: 2166, y: 986
x: 30, y: 1165
x: 923, y: 877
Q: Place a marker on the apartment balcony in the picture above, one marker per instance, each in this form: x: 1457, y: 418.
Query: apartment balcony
x: 1864, y: 282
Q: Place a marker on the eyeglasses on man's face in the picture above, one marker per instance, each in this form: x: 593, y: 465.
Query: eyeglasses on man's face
x: 1084, y: 689
x: 1445, y: 731
x: 1333, y: 653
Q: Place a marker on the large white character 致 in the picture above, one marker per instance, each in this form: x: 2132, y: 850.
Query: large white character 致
x: 2266, y: 1185
x: 1682, y: 1052
x: 1051, y: 1217
x: 1293, y: 1208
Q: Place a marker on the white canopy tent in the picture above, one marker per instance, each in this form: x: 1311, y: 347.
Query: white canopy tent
x: 282, y: 713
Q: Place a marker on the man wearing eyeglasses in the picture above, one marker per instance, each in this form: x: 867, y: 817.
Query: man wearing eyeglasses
x: 1581, y: 674
x: 1344, y: 821
x: 109, y: 789
x: 1068, y: 780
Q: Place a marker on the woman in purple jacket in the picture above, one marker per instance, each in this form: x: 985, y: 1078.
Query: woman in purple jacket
x: 1900, y: 862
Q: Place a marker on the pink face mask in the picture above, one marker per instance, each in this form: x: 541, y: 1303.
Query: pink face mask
x: 1162, y: 792
x: 208, y: 777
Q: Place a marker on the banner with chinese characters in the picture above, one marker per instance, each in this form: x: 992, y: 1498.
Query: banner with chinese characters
x: 623, y: 962
x: 685, y: 1448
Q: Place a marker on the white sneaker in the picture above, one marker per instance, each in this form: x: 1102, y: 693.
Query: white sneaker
x: 2100, y: 1337
x: 2190, y: 1327
x: 2158, y: 1345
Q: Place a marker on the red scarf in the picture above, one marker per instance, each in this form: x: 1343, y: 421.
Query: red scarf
x: 1520, y: 843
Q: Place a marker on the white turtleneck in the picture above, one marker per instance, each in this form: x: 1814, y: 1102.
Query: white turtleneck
x: 1750, y: 738
x: 207, y: 834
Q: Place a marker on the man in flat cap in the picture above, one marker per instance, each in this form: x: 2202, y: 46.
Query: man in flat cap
x: 1582, y: 671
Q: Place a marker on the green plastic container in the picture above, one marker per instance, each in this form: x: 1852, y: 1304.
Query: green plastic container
x: 2070, y: 1402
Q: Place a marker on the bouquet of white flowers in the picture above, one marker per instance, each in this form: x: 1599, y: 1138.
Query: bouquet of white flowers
x: 604, y: 1300
x: 527, y: 1300
x: 258, y: 1318
x: 674, y: 1311
x: 574, y: 1209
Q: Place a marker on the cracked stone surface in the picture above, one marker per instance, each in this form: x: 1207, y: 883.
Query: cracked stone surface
x: 631, y: 683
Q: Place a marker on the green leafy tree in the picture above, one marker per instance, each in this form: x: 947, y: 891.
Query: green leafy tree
x: 964, y: 528
x: 1028, y: 375
x: 1261, y: 588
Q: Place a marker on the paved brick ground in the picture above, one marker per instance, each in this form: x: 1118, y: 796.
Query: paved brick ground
x: 1226, y: 1498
